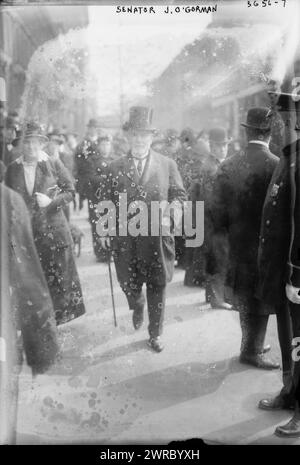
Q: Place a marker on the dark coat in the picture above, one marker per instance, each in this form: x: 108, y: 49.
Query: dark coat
x: 278, y: 257
x: 189, y: 162
x: 86, y: 154
x: 160, y: 181
x: 52, y: 233
x: 26, y: 306
x: 238, y: 197
x: 26, y: 303
x: 198, y: 259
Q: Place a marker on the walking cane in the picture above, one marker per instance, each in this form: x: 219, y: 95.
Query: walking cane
x: 111, y: 288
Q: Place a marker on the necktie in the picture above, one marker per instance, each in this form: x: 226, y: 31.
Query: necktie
x: 140, y: 168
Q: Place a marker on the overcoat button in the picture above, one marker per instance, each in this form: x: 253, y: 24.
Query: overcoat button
x: 267, y: 222
x: 274, y: 203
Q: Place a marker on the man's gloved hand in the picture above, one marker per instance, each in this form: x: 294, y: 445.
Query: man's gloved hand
x: 105, y: 243
x: 292, y: 293
x: 42, y: 200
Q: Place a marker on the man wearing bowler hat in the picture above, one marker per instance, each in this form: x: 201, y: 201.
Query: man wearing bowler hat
x: 279, y: 259
x: 146, y: 176
x: 238, y: 197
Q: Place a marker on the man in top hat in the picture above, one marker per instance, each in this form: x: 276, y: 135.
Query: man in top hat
x: 201, y: 268
x: 144, y: 176
x: 279, y: 260
x: 238, y: 196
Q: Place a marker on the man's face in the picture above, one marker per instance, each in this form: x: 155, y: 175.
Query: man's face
x: 52, y: 147
x: 140, y: 142
x: 105, y: 148
x: 10, y: 134
x: 219, y: 149
x: 32, y: 146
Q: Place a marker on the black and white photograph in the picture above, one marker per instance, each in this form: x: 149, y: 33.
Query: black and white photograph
x: 150, y: 225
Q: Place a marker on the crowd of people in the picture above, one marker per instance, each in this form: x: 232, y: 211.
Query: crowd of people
x: 249, y: 261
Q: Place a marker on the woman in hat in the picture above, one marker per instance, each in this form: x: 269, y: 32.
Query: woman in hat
x: 47, y: 189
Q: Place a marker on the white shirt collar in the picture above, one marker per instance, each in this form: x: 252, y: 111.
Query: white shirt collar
x: 261, y: 142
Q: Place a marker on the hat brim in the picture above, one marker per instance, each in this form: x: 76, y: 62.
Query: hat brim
x: 245, y: 125
x: 32, y: 136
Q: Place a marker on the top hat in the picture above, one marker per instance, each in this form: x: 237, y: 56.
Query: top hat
x: 93, y: 123
x: 32, y: 129
x: 140, y: 119
x: 259, y: 118
x: 219, y: 136
x: 286, y: 101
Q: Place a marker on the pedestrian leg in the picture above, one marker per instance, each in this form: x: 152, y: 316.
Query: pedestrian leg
x: 156, y: 299
x: 285, y: 335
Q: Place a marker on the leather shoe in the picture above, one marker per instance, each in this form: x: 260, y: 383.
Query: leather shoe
x: 155, y: 344
x: 290, y: 429
x: 259, y: 361
x: 137, y: 318
x: 220, y: 305
x: 277, y: 403
x: 266, y: 349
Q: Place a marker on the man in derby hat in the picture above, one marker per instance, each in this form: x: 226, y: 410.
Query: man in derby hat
x: 199, y: 269
x: 146, y: 176
x: 238, y: 197
x: 279, y: 259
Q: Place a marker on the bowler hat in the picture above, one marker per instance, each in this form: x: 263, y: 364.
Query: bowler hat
x: 259, y: 118
x: 31, y: 129
x: 93, y: 123
x: 219, y: 135
x: 286, y: 101
x: 140, y: 119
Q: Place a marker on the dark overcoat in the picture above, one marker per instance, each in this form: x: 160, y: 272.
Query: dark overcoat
x: 52, y: 233
x: 198, y: 259
x: 160, y: 181
x: 238, y: 197
x: 26, y: 306
x: 279, y: 246
x: 86, y: 154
